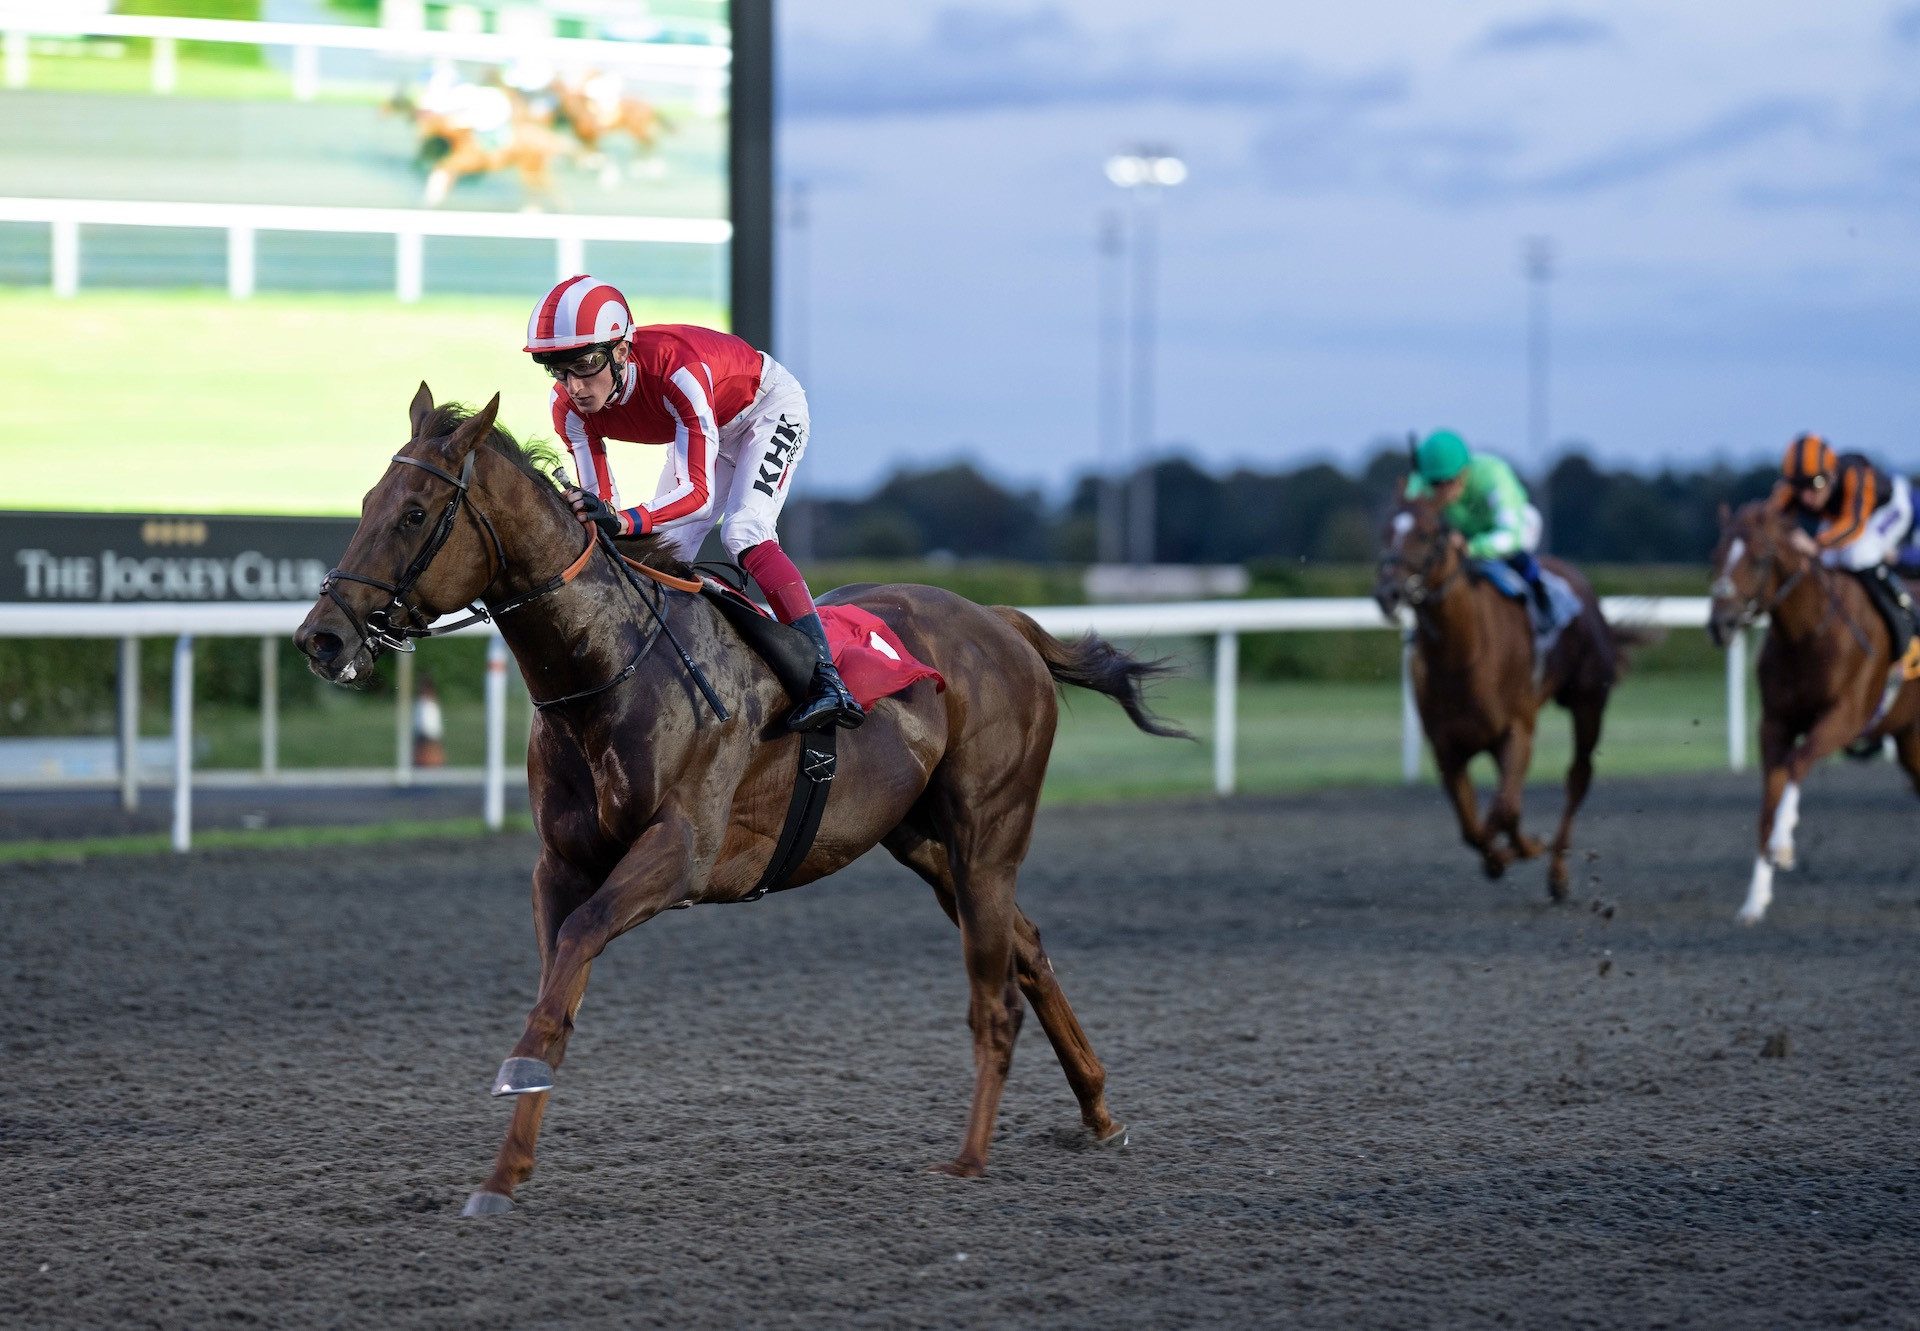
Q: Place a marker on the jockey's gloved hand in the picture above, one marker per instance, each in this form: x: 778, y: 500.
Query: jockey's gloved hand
x: 592, y: 509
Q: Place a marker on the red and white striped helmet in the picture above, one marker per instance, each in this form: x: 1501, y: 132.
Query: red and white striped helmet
x: 579, y: 312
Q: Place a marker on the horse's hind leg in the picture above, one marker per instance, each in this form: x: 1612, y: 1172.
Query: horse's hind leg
x: 1070, y: 1044
x: 1587, y: 709
x: 1036, y: 979
x: 1907, y: 748
x: 979, y: 898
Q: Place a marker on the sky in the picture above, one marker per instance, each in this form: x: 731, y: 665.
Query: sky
x: 1732, y: 193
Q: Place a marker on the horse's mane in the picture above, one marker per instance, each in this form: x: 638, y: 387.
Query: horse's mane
x: 539, y: 459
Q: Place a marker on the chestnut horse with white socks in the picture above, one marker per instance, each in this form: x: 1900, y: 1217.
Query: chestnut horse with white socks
x: 645, y: 800
x: 1823, y: 672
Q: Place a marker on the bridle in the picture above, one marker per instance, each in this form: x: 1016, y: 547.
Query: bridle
x: 379, y: 626
x: 1752, y: 607
x: 1416, y: 587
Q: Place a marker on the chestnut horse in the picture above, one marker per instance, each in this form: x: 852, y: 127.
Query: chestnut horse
x: 644, y: 800
x: 1477, y: 685
x: 1823, y: 672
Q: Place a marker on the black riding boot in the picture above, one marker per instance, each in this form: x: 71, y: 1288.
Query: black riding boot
x: 1890, y: 598
x: 829, y: 703
x: 1529, y: 569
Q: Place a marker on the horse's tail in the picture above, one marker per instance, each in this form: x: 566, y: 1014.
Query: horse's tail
x: 1626, y: 638
x: 1091, y: 662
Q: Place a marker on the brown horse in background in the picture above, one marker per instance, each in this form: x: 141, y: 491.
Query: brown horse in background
x: 1823, y: 672
x: 1477, y: 685
x: 643, y: 801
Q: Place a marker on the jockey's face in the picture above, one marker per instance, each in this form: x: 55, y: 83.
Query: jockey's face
x: 591, y: 381
x: 1813, y: 495
x: 1446, y: 492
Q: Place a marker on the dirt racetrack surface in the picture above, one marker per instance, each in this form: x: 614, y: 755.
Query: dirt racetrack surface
x: 1366, y: 1087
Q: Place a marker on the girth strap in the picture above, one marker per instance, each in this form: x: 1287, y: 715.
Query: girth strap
x: 818, y: 759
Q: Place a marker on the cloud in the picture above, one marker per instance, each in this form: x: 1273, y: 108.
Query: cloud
x: 969, y: 60
x: 1468, y: 164
x: 1543, y: 32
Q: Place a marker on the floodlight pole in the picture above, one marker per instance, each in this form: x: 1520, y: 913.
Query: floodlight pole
x: 1143, y: 173
x: 1109, y: 473
x: 1538, y: 262
x: 796, y: 344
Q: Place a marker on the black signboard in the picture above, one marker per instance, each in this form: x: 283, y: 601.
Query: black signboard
x: 116, y: 558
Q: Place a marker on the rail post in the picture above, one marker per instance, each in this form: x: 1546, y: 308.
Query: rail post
x: 240, y: 267
x: 409, y: 265
x: 1409, y: 713
x: 306, y: 73
x: 1737, y: 701
x: 403, y: 720
x: 269, y: 708
x: 166, y: 66
x: 1226, y: 683
x: 496, y: 782
x: 16, y: 44
x: 66, y: 257
x: 129, y: 723
x: 183, y: 742
x: 571, y: 256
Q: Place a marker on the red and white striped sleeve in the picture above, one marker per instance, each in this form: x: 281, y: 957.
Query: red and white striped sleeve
x: 696, y: 441
x: 587, y: 448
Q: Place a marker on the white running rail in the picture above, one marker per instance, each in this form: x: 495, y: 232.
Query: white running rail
x: 702, y: 67
x: 409, y: 228
x: 1222, y: 621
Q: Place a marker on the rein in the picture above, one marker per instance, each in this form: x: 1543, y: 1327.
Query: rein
x: 1751, y: 609
x: 379, y: 626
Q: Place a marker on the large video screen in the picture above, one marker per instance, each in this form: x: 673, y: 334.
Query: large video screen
x: 235, y: 235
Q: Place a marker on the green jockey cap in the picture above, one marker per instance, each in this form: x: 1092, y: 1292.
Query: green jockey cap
x: 1441, y: 456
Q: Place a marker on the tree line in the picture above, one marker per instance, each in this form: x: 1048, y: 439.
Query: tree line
x: 1318, y: 512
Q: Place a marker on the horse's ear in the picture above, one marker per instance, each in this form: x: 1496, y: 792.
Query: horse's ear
x: 472, y: 430
x: 420, y: 408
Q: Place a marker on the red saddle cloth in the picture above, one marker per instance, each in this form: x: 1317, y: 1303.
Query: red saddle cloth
x: 872, y: 659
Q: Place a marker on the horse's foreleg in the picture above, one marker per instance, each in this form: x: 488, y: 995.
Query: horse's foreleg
x: 1513, y: 757
x: 1778, y: 814
x: 1459, y: 785
x: 1587, y: 713
x: 557, y: 888
x: 648, y: 879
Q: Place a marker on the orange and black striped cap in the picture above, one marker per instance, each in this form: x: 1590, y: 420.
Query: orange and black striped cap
x: 1808, y: 457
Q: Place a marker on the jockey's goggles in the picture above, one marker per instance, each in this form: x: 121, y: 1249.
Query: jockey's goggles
x: 576, y: 365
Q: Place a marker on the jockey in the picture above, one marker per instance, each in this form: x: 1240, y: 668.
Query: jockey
x: 1483, y: 500
x: 1865, y: 515
x: 735, y: 426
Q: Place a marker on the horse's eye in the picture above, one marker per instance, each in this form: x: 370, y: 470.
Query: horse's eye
x: 413, y: 517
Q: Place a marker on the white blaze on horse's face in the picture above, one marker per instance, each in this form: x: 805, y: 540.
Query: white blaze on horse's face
x: 1735, y: 553
x: 1402, y: 527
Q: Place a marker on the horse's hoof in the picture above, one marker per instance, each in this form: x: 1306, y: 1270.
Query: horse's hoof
x: 1115, y: 1137
x: 523, y: 1076
x: 1749, y: 916
x: 487, y: 1203
x: 1557, y: 889
x: 958, y: 1169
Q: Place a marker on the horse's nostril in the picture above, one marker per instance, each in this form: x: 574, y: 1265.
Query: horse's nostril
x: 323, y: 646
